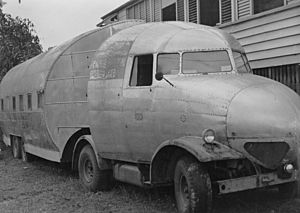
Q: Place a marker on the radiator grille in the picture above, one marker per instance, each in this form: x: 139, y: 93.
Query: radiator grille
x: 269, y: 154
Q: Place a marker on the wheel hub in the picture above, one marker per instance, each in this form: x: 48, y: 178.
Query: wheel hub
x: 88, y: 170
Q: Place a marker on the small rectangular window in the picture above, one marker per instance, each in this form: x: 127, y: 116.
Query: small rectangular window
x: 2, y: 105
x: 39, y: 100
x: 7, y: 103
x: 141, y: 73
x: 168, y: 64
x: 21, y: 103
x: 14, y: 103
x: 29, y: 101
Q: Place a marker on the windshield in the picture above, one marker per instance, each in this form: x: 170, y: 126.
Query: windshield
x: 206, y: 62
x: 168, y: 63
x: 241, y: 62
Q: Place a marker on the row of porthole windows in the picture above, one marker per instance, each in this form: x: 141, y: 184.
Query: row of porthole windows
x: 10, y: 103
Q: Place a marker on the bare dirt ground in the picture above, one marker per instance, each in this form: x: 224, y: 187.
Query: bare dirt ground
x: 43, y: 186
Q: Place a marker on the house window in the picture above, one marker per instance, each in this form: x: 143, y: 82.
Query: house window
x: 39, y: 100
x: 2, y: 105
x: 169, y: 13
x: 14, y: 103
x: 21, y: 104
x: 264, y: 5
x: 209, y: 12
x: 29, y: 101
x: 141, y: 74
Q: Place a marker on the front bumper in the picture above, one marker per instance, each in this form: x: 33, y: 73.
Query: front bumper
x: 253, y: 182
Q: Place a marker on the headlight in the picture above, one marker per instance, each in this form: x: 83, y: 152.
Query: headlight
x: 289, y: 168
x: 208, y: 135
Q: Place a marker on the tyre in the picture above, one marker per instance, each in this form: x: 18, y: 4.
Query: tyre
x: 192, y: 186
x: 92, y: 177
x: 288, y: 190
x: 16, y: 147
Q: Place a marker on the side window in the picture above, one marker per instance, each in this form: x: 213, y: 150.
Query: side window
x: 21, y: 103
x: 39, y: 100
x: 141, y: 73
x: 7, y: 103
x: 29, y: 101
x: 2, y: 105
x: 14, y: 103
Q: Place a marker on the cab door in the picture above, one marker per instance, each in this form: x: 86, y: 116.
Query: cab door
x: 138, y: 92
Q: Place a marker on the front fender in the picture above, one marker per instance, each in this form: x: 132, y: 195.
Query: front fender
x: 204, y: 152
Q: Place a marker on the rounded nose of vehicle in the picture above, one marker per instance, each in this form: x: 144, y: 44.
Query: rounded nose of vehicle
x: 263, y: 122
x: 264, y: 111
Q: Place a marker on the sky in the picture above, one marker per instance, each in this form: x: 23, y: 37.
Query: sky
x: 57, y: 21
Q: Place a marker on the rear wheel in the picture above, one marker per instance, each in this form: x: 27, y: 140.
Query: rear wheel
x: 16, y: 147
x: 192, y: 186
x: 92, y: 177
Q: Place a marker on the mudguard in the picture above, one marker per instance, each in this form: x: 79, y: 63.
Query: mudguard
x: 204, y: 152
x: 101, y: 163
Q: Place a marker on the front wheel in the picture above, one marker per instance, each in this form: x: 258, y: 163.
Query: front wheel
x: 92, y: 177
x: 192, y: 184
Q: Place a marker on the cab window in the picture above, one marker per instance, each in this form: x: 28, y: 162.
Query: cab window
x: 206, y: 62
x: 141, y: 73
x: 241, y: 62
x: 168, y: 64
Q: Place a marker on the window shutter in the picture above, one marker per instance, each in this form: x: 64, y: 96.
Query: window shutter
x: 243, y: 7
x: 137, y: 12
x: 193, y: 11
x: 226, y: 10
x: 148, y: 14
x: 142, y: 9
x: 180, y: 10
x: 157, y: 10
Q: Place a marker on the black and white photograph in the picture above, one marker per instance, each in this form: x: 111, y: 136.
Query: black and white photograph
x: 150, y: 106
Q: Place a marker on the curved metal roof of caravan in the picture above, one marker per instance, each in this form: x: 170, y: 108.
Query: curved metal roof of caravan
x: 159, y: 37
x: 32, y: 74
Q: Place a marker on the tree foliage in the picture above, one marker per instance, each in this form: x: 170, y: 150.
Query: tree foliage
x: 18, y: 42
